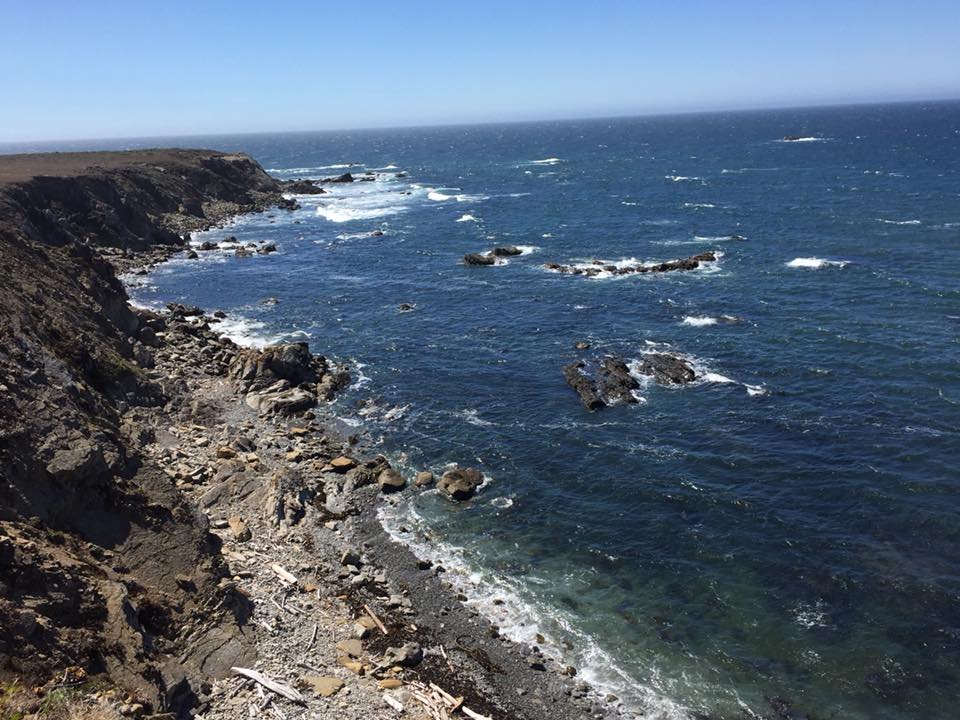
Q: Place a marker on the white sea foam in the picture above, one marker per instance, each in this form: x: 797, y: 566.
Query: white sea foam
x: 698, y: 205
x: 706, y: 266
x: 466, y: 218
x: 246, y: 332
x: 521, y: 616
x: 683, y: 178
x: 900, y: 222
x: 814, y: 263
x: 437, y: 195
x: 699, y: 320
x: 546, y: 161
x: 807, y: 139
x: 472, y: 417
x: 366, y: 200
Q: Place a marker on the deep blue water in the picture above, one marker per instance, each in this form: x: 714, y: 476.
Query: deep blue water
x: 788, y: 528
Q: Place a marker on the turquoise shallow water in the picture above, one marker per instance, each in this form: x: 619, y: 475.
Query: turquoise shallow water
x: 785, y: 531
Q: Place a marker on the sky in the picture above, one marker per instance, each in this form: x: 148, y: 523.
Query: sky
x: 139, y: 68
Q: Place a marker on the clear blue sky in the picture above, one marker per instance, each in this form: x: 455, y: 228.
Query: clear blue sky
x: 98, y: 68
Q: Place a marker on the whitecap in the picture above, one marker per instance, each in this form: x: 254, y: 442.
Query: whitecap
x: 814, y: 263
x: 546, y: 161
x: 683, y: 178
x: 246, y: 332
x: 698, y: 205
x: 899, y: 222
x: 466, y: 218
x: 472, y: 417
x: 699, y: 321
x: 806, y: 139
x: 502, y: 502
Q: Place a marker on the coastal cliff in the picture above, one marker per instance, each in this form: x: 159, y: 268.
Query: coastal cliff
x: 101, y: 557
x: 176, y: 510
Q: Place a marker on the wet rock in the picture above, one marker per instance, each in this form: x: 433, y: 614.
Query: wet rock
x: 243, y: 252
x: 506, y: 251
x: 206, y: 246
x: 599, y: 266
x: 408, y: 655
x: 303, y: 187
x: 191, y: 255
x: 406, y: 307
x: 581, y: 345
x: 460, y: 484
x: 584, y: 386
x: 615, y: 382
x: 267, y: 249
x: 667, y: 368
x: 423, y: 479
x: 478, y: 259
x: 345, y: 178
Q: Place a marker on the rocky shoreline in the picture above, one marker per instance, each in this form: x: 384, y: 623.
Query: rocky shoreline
x: 183, y: 533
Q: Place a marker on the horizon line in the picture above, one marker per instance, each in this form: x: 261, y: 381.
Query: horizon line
x: 585, y: 118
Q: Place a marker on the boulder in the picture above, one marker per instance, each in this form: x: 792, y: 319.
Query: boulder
x: 423, y: 479
x: 460, y: 483
x: 192, y: 255
x: 506, y: 251
x: 206, y: 246
x: 478, y: 259
x: 258, y: 369
x: 243, y: 252
x: 267, y: 249
x: 281, y: 400
x: 390, y: 480
x: 581, y: 345
x: 343, y: 463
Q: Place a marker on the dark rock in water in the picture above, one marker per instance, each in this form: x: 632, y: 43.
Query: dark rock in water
x: 230, y: 239
x: 690, y: 263
x: 400, y: 175
x: 243, y: 252
x: 287, y: 204
x: 506, y: 251
x: 667, y: 368
x: 269, y: 301
x: 345, y: 178
x: 377, y: 233
x: 267, y: 249
x: 192, y: 255
x: 739, y: 238
x: 478, y: 259
x: 406, y: 307
x: 581, y: 345
x: 615, y: 382
x: 207, y: 245
x: 184, y: 311
x: 460, y: 483
x: 220, y: 314
x: 303, y: 187
x: 583, y: 385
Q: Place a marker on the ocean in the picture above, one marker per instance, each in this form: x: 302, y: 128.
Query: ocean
x: 778, y: 539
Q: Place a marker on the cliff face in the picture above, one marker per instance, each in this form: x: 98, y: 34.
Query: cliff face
x: 101, y: 558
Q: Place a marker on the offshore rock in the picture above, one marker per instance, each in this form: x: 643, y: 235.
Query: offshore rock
x: 460, y: 484
x: 478, y: 259
x: 667, y: 368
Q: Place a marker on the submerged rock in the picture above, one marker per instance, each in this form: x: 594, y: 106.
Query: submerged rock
x: 460, y: 483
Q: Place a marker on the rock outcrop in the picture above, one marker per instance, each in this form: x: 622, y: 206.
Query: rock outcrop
x: 598, y: 267
x: 609, y: 380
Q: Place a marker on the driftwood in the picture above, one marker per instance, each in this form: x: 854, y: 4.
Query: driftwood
x: 393, y: 702
x: 373, y: 616
x: 440, y: 703
x: 279, y: 688
x: 284, y: 575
